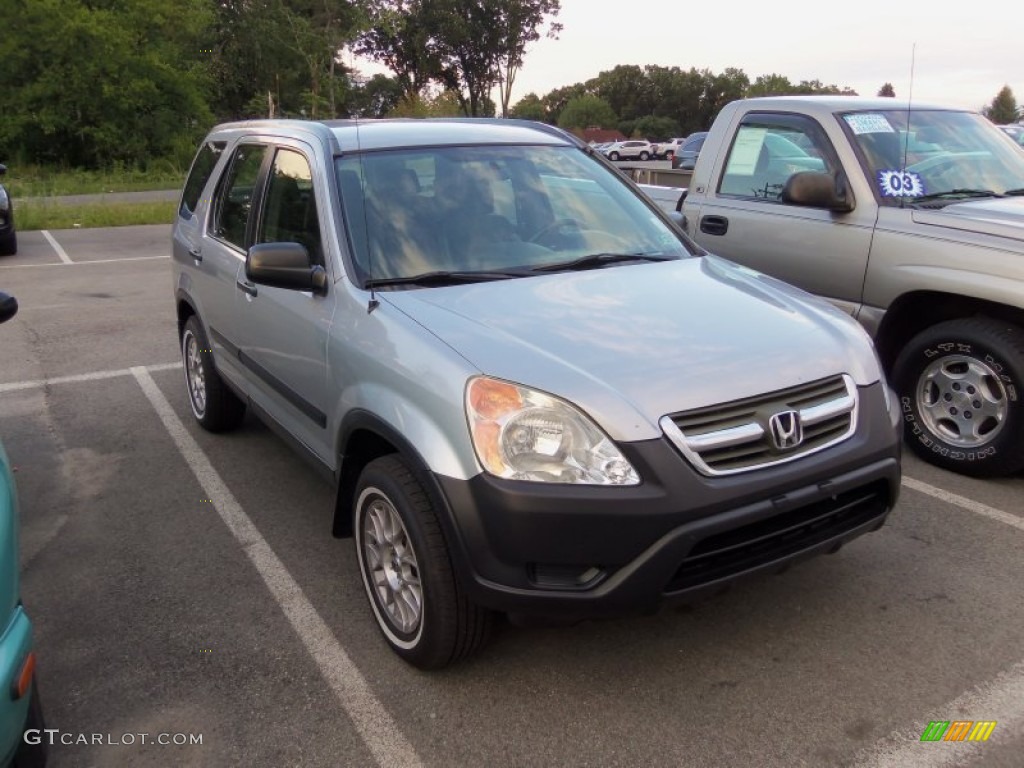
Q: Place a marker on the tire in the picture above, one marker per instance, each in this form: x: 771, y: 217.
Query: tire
x: 644, y: 156
x: 32, y: 755
x: 215, y: 406
x: 9, y: 244
x: 402, y: 553
x: 670, y: 155
x: 961, y: 388
x: 613, y: 156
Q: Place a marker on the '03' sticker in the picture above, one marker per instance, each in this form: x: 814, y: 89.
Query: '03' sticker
x: 900, y: 184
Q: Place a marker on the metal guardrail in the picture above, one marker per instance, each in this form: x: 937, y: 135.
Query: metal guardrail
x: 658, y: 177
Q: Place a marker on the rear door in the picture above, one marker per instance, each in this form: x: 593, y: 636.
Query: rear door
x: 744, y: 219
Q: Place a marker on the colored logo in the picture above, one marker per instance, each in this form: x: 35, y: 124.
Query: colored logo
x: 958, y: 730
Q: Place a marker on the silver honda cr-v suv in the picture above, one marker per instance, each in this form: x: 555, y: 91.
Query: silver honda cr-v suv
x: 534, y: 393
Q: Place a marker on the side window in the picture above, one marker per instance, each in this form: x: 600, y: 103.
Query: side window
x: 290, y: 213
x: 767, y: 150
x: 235, y: 195
x: 203, y: 165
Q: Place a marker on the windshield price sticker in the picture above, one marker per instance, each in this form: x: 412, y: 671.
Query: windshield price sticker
x: 900, y: 184
x: 868, y: 123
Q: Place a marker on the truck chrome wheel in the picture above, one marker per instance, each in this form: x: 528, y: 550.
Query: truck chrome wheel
x: 962, y: 400
x: 390, y: 562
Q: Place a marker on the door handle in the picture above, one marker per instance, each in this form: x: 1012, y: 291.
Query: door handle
x: 195, y: 253
x: 714, y: 225
x: 246, y: 286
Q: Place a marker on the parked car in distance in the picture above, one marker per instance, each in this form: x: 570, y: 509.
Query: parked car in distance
x: 20, y: 708
x: 533, y: 393
x: 686, y: 158
x: 666, y: 150
x: 633, y: 149
x: 1015, y: 131
x: 8, y: 236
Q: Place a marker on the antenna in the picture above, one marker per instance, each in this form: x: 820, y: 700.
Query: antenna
x: 374, y: 303
x: 906, y: 136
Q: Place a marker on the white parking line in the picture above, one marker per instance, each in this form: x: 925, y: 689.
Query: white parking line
x: 57, y: 247
x: 377, y: 728
x: 84, y: 263
x: 14, y: 386
x: 1001, y: 699
x: 973, y: 506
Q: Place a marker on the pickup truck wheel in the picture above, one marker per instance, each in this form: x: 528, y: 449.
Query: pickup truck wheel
x: 406, y: 569
x: 960, y: 385
x: 216, y: 408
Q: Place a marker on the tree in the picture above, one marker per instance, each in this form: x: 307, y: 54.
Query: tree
x: 887, y: 90
x: 530, y: 107
x: 519, y: 21
x: 399, y: 36
x: 626, y: 89
x: 1003, y: 108
x: 555, y: 101
x: 654, y: 128
x: 587, y: 111
x: 771, y: 85
x: 92, y: 84
x: 377, y: 97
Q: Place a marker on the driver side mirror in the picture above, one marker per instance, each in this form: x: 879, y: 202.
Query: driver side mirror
x: 817, y: 189
x: 284, y: 265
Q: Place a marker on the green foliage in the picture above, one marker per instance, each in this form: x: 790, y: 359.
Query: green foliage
x: 92, y: 84
x: 44, y: 216
x: 654, y: 128
x: 530, y: 107
x: 587, y: 111
x: 887, y: 91
x: 1003, y: 108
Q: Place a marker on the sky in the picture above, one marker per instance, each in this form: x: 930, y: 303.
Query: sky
x: 962, y: 54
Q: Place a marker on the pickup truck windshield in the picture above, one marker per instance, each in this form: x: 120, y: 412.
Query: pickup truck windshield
x: 492, y: 210
x: 942, y: 154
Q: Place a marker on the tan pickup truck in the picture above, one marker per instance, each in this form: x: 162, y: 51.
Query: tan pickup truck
x: 909, y: 218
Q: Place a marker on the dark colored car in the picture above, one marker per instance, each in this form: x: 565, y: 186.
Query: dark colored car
x: 8, y: 237
x: 686, y: 158
x: 1015, y: 131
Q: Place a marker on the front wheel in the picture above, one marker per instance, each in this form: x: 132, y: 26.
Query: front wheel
x: 613, y: 156
x: 407, y: 571
x: 644, y: 156
x: 960, y: 386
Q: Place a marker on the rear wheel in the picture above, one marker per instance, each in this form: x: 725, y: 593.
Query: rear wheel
x: 407, y: 571
x: 960, y: 384
x: 214, y: 405
x: 9, y: 244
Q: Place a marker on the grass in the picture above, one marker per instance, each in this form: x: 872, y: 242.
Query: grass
x: 40, y: 181
x: 42, y: 215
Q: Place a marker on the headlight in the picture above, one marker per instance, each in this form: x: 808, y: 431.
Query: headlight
x: 522, y: 434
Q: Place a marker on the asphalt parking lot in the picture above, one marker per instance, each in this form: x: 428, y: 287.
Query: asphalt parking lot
x: 183, y: 583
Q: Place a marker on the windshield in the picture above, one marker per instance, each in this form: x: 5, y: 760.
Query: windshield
x: 493, y: 211
x: 943, y: 157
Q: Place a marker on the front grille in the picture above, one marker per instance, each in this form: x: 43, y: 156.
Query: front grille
x: 774, y: 538
x: 738, y: 436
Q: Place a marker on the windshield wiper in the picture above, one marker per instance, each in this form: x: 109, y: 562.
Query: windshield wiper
x: 957, y: 193
x: 440, y: 278
x: 599, y: 260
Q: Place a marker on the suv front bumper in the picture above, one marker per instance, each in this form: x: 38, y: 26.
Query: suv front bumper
x: 583, y: 551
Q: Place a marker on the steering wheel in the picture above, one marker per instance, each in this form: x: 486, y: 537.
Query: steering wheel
x: 554, y: 226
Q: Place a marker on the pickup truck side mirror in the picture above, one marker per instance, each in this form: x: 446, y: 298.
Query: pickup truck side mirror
x: 284, y: 265
x: 817, y: 189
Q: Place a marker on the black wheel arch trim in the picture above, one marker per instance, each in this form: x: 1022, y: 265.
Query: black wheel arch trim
x: 346, y: 479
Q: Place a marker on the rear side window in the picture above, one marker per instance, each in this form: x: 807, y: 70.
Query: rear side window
x: 203, y: 165
x: 236, y: 193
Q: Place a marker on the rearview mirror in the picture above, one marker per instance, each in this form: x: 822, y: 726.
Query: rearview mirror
x: 8, y: 306
x: 817, y: 189
x: 284, y: 265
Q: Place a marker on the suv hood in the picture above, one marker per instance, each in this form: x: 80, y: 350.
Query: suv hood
x: 632, y: 343
x: 999, y: 216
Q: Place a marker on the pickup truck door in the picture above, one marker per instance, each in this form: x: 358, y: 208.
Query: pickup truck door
x: 282, y: 333
x: 739, y: 214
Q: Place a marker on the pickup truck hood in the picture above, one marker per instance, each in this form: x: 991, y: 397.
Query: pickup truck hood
x: 631, y: 343
x: 999, y: 216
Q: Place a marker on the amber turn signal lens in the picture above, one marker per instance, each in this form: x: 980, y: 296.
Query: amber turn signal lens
x: 24, y: 681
